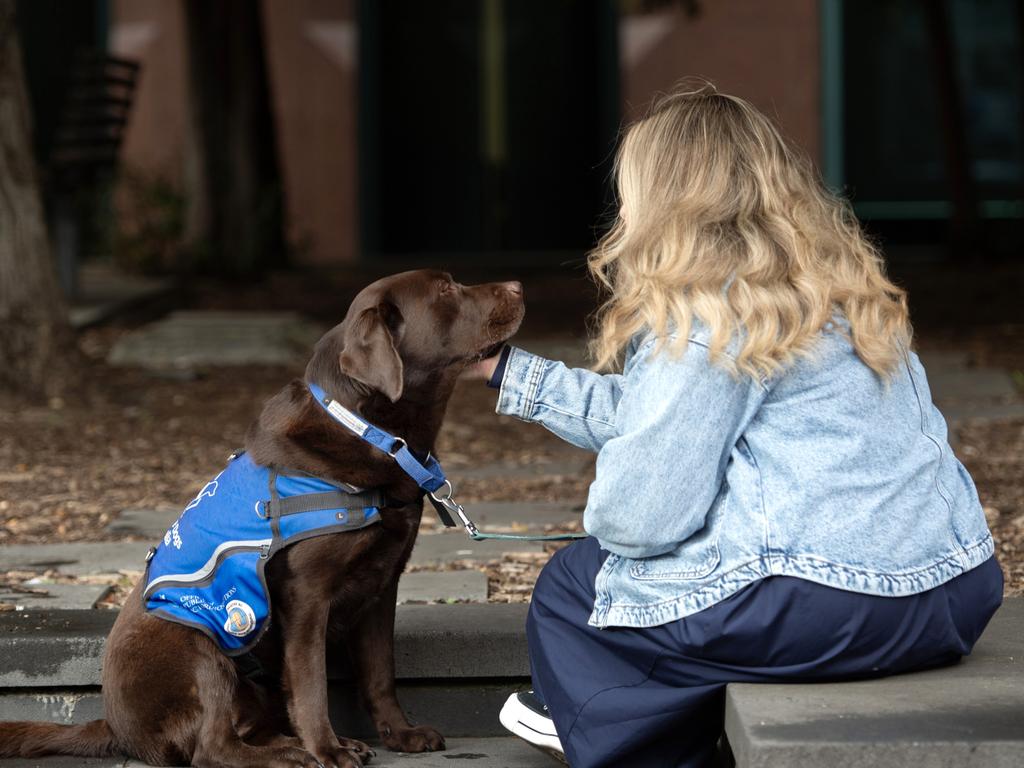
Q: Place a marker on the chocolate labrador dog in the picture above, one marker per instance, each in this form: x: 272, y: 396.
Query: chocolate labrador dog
x: 171, y: 694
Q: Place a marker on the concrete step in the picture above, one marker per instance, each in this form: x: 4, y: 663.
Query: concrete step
x: 967, y: 716
x: 455, y: 666
x: 46, y: 597
x: 479, y: 753
x: 466, y: 709
x: 65, y: 648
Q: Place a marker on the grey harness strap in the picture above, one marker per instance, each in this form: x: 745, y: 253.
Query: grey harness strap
x: 313, y: 502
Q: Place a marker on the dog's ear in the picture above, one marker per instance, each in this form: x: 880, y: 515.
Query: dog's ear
x: 370, y: 355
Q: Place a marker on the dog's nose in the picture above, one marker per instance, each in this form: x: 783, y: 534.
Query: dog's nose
x: 514, y: 287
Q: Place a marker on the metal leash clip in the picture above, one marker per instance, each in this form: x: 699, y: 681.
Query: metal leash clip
x: 445, y: 505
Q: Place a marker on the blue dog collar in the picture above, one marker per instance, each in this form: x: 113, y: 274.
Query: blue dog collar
x: 428, y: 475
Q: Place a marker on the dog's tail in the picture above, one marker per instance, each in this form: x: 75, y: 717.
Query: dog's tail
x: 93, y: 739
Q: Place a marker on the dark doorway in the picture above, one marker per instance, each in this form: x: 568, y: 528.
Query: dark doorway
x: 487, y: 127
x: 913, y: 165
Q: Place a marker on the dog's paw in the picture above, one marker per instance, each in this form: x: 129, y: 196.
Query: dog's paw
x: 363, y: 751
x: 290, y: 757
x: 342, y: 756
x: 418, y: 738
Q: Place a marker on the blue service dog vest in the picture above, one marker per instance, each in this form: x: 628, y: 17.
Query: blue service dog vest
x: 208, y: 571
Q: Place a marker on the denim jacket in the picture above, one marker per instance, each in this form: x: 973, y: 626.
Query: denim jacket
x: 707, y: 482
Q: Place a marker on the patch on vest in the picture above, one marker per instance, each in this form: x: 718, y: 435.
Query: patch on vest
x: 241, y: 619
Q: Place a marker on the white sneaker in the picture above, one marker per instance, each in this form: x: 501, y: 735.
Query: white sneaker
x: 528, y: 718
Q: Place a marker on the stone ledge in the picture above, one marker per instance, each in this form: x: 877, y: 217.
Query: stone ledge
x: 483, y: 752
x: 64, y: 649
x: 456, y: 708
x: 967, y: 715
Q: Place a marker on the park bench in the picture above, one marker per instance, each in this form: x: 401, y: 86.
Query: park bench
x: 456, y: 664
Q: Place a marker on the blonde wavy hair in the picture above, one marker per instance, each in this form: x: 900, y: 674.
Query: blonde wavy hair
x: 722, y: 220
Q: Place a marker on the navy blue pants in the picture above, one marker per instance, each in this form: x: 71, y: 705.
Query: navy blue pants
x: 654, y: 697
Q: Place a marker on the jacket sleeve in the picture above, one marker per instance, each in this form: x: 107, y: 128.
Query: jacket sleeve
x: 678, y: 419
x: 576, y: 404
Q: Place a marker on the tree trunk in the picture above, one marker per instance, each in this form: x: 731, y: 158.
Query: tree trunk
x: 35, y: 339
x: 232, y: 181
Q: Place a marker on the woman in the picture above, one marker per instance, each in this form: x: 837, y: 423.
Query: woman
x: 775, y: 497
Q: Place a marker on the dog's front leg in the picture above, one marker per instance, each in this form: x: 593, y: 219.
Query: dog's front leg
x: 372, y: 647
x: 304, y: 632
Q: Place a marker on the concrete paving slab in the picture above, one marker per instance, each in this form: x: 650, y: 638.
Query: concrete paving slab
x: 972, y: 385
x: 151, y: 523
x: 443, y: 586
x: 572, y: 467
x: 83, y: 558
x: 534, y: 514
x: 209, y: 338
x: 455, y: 545
x: 480, y: 753
x: 108, y: 557
x: 960, y: 412
x: 942, y: 361
x: 456, y: 708
x: 968, y: 715
x: 55, y: 597
x: 76, y: 558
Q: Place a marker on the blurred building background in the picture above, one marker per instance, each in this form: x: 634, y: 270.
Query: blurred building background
x: 410, y: 131
x: 220, y: 177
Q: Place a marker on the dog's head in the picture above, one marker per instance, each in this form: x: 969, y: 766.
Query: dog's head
x: 406, y: 329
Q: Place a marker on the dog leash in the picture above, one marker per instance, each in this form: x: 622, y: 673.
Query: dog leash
x: 427, y: 473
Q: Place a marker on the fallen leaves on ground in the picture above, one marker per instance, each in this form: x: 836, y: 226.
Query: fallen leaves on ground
x: 994, y: 455
x: 129, y: 439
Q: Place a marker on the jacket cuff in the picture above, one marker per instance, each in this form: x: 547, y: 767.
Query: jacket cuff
x: 499, y: 372
x: 518, y: 394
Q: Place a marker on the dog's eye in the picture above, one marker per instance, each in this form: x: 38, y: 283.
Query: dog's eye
x: 446, y: 287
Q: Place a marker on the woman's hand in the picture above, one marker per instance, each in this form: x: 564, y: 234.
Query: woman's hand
x: 481, y: 370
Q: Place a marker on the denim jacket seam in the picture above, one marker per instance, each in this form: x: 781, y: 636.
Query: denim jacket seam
x: 760, y: 493
x: 580, y: 416
x: 935, y: 480
x: 862, y: 571
x: 532, y: 387
x: 978, y: 543
x: 709, y: 586
x: 761, y: 381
